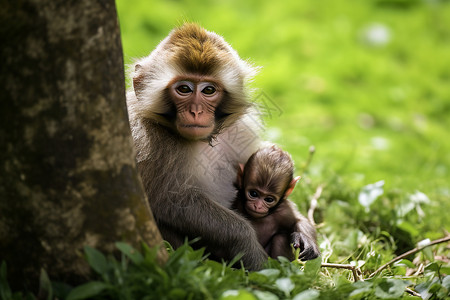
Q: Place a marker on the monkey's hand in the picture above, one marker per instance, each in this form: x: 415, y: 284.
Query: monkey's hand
x: 308, y: 245
x: 246, y: 244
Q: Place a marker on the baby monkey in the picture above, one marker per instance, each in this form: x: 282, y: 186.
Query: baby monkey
x: 264, y: 184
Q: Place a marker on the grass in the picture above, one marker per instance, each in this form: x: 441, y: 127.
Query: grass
x: 365, y: 82
x: 367, y: 108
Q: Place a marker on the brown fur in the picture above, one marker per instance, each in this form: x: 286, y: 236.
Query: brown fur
x: 196, y: 50
x: 189, y: 183
x: 271, y: 169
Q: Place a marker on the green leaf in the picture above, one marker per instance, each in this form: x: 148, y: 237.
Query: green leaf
x: 362, y: 287
x: 61, y: 290
x: 87, y: 290
x: 370, y: 193
x: 5, y: 291
x: 237, y: 295
x: 130, y: 252
x: 419, y: 197
x: 45, y: 285
x: 445, y: 270
x: 339, y: 280
x: 446, y: 282
x: 270, y: 273
x: 434, y: 266
x: 428, y: 252
x: 428, y: 288
x: 391, y: 288
x: 312, y: 267
x: 285, y: 285
x: 177, y: 293
x: 177, y: 255
x: 96, y: 260
x: 283, y: 260
x: 408, y: 227
x: 150, y: 253
x: 258, y: 278
x: 406, y: 262
x: 265, y: 295
x: 307, y: 295
x: 404, y: 208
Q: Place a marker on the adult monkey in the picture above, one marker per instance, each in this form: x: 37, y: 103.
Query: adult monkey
x: 190, y: 120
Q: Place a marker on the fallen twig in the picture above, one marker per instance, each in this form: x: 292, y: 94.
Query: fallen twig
x: 412, y: 292
x: 415, y: 250
x: 311, y: 151
x: 313, y: 204
x: 355, y: 270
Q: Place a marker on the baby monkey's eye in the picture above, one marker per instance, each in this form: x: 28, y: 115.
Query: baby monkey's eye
x: 269, y: 199
x: 253, y: 194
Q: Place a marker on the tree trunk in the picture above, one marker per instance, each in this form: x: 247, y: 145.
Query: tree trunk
x: 67, y: 171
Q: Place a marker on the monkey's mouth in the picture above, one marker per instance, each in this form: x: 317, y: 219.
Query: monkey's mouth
x: 195, y: 131
x: 255, y: 214
x: 194, y: 126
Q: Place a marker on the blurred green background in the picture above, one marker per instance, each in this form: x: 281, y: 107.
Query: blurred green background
x: 366, y: 82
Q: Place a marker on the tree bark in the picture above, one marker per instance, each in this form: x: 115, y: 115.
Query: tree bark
x: 67, y: 171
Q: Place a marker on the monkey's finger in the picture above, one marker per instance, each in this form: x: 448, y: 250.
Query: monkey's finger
x: 309, y: 253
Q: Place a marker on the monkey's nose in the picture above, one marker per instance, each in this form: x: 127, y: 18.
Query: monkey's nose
x: 196, y: 109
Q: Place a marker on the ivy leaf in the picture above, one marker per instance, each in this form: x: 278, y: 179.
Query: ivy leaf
x: 370, y: 193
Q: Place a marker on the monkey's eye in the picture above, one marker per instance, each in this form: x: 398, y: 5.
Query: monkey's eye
x: 184, y: 89
x: 269, y: 199
x: 253, y: 194
x: 209, y: 90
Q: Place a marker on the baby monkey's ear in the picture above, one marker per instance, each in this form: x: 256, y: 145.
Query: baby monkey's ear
x: 291, y: 186
x: 240, y: 176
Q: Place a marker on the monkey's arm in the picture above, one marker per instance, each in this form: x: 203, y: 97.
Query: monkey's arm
x: 303, y: 233
x: 192, y: 214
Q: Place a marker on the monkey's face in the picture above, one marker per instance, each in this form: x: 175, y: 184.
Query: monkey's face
x: 196, y: 99
x: 259, y: 201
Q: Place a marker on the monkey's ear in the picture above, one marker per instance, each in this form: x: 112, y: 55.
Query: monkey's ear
x: 291, y: 186
x: 137, y: 67
x: 138, y: 82
x: 240, y: 176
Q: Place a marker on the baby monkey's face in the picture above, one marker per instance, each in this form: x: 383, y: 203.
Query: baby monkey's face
x: 260, y: 201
